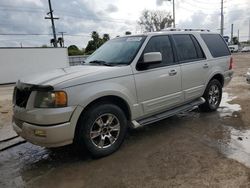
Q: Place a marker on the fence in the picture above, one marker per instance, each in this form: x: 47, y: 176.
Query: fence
x: 77, y: 60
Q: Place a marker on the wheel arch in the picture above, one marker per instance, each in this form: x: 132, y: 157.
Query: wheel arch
x: 218, y: 77
x: 113, y: 99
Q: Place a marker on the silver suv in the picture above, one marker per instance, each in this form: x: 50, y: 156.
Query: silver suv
x: 130, y: 81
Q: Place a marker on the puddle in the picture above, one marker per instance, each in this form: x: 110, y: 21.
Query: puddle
x: 227, y: 109
x: 238, y: 146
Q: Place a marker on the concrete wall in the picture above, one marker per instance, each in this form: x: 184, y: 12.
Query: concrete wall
x: 18, y: 62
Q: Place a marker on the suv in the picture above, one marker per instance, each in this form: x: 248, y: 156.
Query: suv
x: 129, y: 81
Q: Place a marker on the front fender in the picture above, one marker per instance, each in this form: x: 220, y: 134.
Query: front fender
x: 122, y: 87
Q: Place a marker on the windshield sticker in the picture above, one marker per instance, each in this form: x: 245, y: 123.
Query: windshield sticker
x: 134, y: 39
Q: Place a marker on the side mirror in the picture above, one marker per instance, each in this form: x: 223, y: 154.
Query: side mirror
x: 152, y: 57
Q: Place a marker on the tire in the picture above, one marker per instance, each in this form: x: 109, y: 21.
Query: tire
x: 212, y: 96
x: 101, y: 129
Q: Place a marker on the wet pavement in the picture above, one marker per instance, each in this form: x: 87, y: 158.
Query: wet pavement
x: 192, y: 149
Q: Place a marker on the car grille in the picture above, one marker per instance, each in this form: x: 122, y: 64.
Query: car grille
x: 18, y: 122
x: 21, y: 96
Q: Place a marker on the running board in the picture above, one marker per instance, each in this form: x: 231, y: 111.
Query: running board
x: 169, y: 113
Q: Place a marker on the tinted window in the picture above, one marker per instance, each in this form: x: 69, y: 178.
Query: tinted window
x: 198, y: 48
x: 216, y: 45
x: 185, y: 47
x: 161, y: 44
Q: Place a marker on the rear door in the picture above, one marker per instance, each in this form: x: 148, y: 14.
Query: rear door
x: 159, y: 85
x: 193, y: 63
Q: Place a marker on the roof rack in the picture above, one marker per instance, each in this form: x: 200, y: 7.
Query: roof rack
x: 177, y: 29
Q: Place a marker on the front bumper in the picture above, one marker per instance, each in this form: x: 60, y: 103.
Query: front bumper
x: 53, y: 136
x: 50, y: 134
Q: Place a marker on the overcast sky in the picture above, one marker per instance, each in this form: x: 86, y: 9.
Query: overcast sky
x: 78, y: 18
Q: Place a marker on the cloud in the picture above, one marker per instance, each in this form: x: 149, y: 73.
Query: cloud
x: 160, y: 2
x: 111, y: 8
x: 78, y: 19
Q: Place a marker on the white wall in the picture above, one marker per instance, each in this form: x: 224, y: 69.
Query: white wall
x: 18, y: 62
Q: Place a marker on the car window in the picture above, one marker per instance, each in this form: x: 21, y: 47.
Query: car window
x: 185, y: 48
x: 199, y: 51
x: 121, y: 50
x: 161, y: 44
x: 216, y: 45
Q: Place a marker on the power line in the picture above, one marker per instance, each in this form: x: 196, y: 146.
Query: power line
x: 197, y: 6
x: 23, y: 34
x: 206, y: 3
x: 41, y: 34
x: 63, y: 15
x: 188, y: 9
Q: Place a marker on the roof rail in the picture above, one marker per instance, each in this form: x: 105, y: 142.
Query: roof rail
x: 177, y: 29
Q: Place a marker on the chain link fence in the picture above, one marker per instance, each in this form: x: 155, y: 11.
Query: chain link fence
x: 77, y: 60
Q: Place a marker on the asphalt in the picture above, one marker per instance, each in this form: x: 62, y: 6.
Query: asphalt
x: 191, y: 149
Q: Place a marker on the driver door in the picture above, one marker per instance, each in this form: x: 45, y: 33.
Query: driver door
x: 159, y: 85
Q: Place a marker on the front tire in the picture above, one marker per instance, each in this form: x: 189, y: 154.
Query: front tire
x: 212, y: 96
x: 101, y: 129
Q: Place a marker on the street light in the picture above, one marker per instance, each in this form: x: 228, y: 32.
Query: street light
x: 173, y: 12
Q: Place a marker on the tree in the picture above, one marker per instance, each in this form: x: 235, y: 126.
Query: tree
x: 74, y: 50
x: 52, y: 42
x: 155, y: 20
x: 235, y: 40
x: 128, y: 33
x: 60, y: 41
x: 44, y: 46
x: 105, y: 37
x: 96, y: 42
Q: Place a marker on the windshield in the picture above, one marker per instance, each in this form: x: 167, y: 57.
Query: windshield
x: 117, y: 51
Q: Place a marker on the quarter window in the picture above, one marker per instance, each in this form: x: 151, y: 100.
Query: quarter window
x: 216, y: 45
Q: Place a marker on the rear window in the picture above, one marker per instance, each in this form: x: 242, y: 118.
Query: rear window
x: 216, y: 45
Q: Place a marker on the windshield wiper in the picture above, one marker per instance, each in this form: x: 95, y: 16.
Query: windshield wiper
x: 99, y: 62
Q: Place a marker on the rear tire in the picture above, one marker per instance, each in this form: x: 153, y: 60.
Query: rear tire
x: 212, y: 96
x: 101, y: 129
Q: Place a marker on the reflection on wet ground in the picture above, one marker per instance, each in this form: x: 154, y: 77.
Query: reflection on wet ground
x: 239, y: 146
x: 173, y: 146
x: 28, y: 163
x: 227, y: 109
x: 226, y: 131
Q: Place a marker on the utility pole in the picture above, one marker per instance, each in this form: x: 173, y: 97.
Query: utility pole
x: 52, y: 18
x: 173, y: 12
x: 249, y: 32
x: 238, y: 35
x: 232, y: 33
x: 222, y: 18
x: 62, y: 32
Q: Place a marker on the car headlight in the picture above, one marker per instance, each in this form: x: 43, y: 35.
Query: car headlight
x: 51, y: 99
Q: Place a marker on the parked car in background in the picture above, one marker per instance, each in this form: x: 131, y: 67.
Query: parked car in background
x: 248, y: 76
x: 129, y: 81
x: 246, y: 49
x: 233, y: 48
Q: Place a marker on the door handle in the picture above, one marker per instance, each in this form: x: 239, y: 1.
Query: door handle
x: 205, y: 66
x: 172, y: 72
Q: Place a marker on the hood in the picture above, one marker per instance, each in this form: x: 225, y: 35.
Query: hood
x: 74, y: 75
